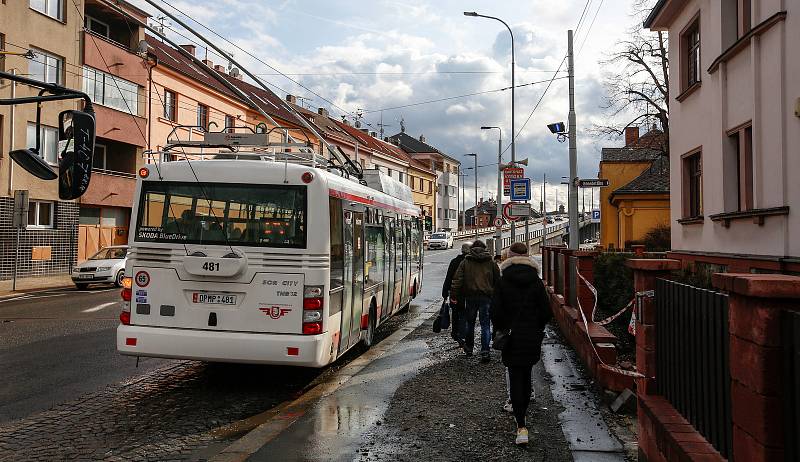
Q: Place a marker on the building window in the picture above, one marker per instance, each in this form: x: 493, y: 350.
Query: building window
x: 45, y: 67
x: 430, y: 187
x: 111, y: 91
x: 2, y: 56
x: 202, y: 116
x: 690, y: 46
x: 48, y: 142
x: 400, y: 176
x: 743, y: 16
x: 389, y: 171
x: 230, y: 123
x: 99, y: 158
x: 52, y: 8
x: 170, y: 105
x: 693, y: 185
x: 411, y: 181
x: 97, y: 26
x: 40, y: 214
x: 742, y: 142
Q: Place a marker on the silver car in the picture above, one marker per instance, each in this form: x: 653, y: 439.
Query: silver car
x: 105, y: 267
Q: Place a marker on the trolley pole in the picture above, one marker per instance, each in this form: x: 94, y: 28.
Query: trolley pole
x: 573, y: 151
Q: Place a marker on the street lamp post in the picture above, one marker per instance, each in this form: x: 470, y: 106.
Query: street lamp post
x: 475, y: 210
x: 498, y: 233
x: 513, y: 65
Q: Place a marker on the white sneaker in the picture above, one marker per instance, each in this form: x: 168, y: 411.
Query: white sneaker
x: 508, y: 407
x: 522, y: 436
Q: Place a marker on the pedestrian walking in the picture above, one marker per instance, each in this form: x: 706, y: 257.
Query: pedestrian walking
x: 520, y: 311
x: 474, y: 283
x: 457, y: 309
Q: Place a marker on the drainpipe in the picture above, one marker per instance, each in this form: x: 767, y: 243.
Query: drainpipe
x: 11, y: 136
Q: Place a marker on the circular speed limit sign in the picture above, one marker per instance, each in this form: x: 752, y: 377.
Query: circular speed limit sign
x: 142, y: 279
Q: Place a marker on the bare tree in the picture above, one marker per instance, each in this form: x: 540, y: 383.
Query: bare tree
x: 637, y: 80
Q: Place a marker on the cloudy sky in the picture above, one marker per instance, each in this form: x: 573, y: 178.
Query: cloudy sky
x: 375, y: 56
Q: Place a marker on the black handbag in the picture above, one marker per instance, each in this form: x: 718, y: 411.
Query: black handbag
x: 502, y: 338
x: 437, y: 324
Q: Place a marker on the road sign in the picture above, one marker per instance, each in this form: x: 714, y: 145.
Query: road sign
x: 521, y: 189
x: 509, y: 174
x: 513, y: 211
x: 20, y: 219
x: 593, y: 183
x: 595, y: 214
x: 498, y: 222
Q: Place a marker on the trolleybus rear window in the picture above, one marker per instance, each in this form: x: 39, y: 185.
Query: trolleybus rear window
x: 222, y: 213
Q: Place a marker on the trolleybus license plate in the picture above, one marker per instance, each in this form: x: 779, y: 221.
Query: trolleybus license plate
x: 213, y: 299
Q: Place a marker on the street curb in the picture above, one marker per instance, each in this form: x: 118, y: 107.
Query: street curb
x: 282, y: 416
x: 28, y: 291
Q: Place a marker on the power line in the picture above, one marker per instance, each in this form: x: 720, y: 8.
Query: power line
x: 590, y: 27
x: 438, y: 100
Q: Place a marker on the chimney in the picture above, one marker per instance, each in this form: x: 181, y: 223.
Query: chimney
x: 208, y: 63
x: 422, y: 138
x: 291, y: 99
x: 373, y: 134
x: 219, y: 68
x: 322, y: 111
x: 631, y: 135
x: 190, y: 48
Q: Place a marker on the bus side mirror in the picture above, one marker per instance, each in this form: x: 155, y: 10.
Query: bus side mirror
x: 76, y: 143
x: 31, y: 160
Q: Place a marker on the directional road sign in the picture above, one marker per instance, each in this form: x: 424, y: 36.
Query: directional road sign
x: 509, y: 174
x: 513, y: 211
x: 521, y: 189
x: 498, y: 222
x: 593, y: 183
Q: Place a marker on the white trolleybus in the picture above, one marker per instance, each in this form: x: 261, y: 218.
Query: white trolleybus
x: 264, y: 257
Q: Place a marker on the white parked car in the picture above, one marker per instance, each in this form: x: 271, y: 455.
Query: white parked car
x: 440, y: 240
x: 106, y: 266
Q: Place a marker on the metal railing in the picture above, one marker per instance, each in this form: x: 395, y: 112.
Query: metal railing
x: 692, y: 358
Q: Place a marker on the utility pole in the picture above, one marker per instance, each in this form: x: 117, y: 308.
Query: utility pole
x: 544, y: 211
x: 573, y: 151
x: 475, y: 213
x: 498, y: 230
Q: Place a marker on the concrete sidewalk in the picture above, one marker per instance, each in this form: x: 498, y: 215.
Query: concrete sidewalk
x: 32, y: 284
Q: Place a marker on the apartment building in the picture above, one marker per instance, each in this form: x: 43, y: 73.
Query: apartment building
x: 447, y: 179
x: 115, y: 76
x: 734, y: 132
x: 48, y: 244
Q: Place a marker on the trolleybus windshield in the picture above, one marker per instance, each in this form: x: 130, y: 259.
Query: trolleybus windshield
x: 222, y: 213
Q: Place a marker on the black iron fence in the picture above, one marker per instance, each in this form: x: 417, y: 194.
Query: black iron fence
x: 791, y: 384
x: 692, y: 358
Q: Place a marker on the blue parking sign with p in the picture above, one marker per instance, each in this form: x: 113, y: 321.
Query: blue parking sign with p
x: 520, y: 189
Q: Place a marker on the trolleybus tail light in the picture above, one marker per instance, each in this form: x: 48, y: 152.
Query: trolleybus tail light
x: 125, y: 315
x: 307, y: 177
x: 313, y: 302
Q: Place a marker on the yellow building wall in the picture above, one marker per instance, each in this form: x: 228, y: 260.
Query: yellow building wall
x: 618, y: 175
x: 638, y: 214
x: 421, y: 196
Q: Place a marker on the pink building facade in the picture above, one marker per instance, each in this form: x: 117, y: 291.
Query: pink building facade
x: 734, y: 131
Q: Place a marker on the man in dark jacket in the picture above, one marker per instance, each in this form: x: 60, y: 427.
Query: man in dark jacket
x: 457, y: 308
x: 521, y: 305
x: 474, y: 283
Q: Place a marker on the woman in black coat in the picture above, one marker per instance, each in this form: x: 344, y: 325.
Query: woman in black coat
x: 521, y: 305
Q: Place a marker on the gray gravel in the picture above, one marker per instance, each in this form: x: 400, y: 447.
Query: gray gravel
x: 451, y: 411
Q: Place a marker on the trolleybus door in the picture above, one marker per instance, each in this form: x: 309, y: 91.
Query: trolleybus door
x: 388, y: 277
x: 358, y: 276
x: 347, y: 281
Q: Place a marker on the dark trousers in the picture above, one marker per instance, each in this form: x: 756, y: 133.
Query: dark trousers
x: 456, y: 312
x: 476, y: 307
x: 519, y: 380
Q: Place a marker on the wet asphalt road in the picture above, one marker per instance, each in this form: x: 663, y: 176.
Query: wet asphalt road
x: 67, y: 395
